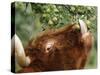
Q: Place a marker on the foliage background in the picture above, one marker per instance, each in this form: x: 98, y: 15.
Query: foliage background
x: 32, y: 18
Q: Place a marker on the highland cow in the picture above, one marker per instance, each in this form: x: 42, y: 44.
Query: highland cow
x: 66, y: 48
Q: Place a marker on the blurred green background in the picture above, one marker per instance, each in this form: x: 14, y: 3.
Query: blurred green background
x: 32, y: 18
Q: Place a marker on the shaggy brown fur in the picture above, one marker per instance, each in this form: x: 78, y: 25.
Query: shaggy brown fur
x: 61, y: 49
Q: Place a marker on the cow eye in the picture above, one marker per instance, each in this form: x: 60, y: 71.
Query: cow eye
x: 49, y: 47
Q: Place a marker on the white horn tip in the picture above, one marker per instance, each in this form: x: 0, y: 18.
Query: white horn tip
x: 20, y: 53
x: 28, y: 61
x: 83, y: 26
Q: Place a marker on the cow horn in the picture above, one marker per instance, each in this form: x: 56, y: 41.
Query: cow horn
x: 83, y: 26
x: 20, y: 56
